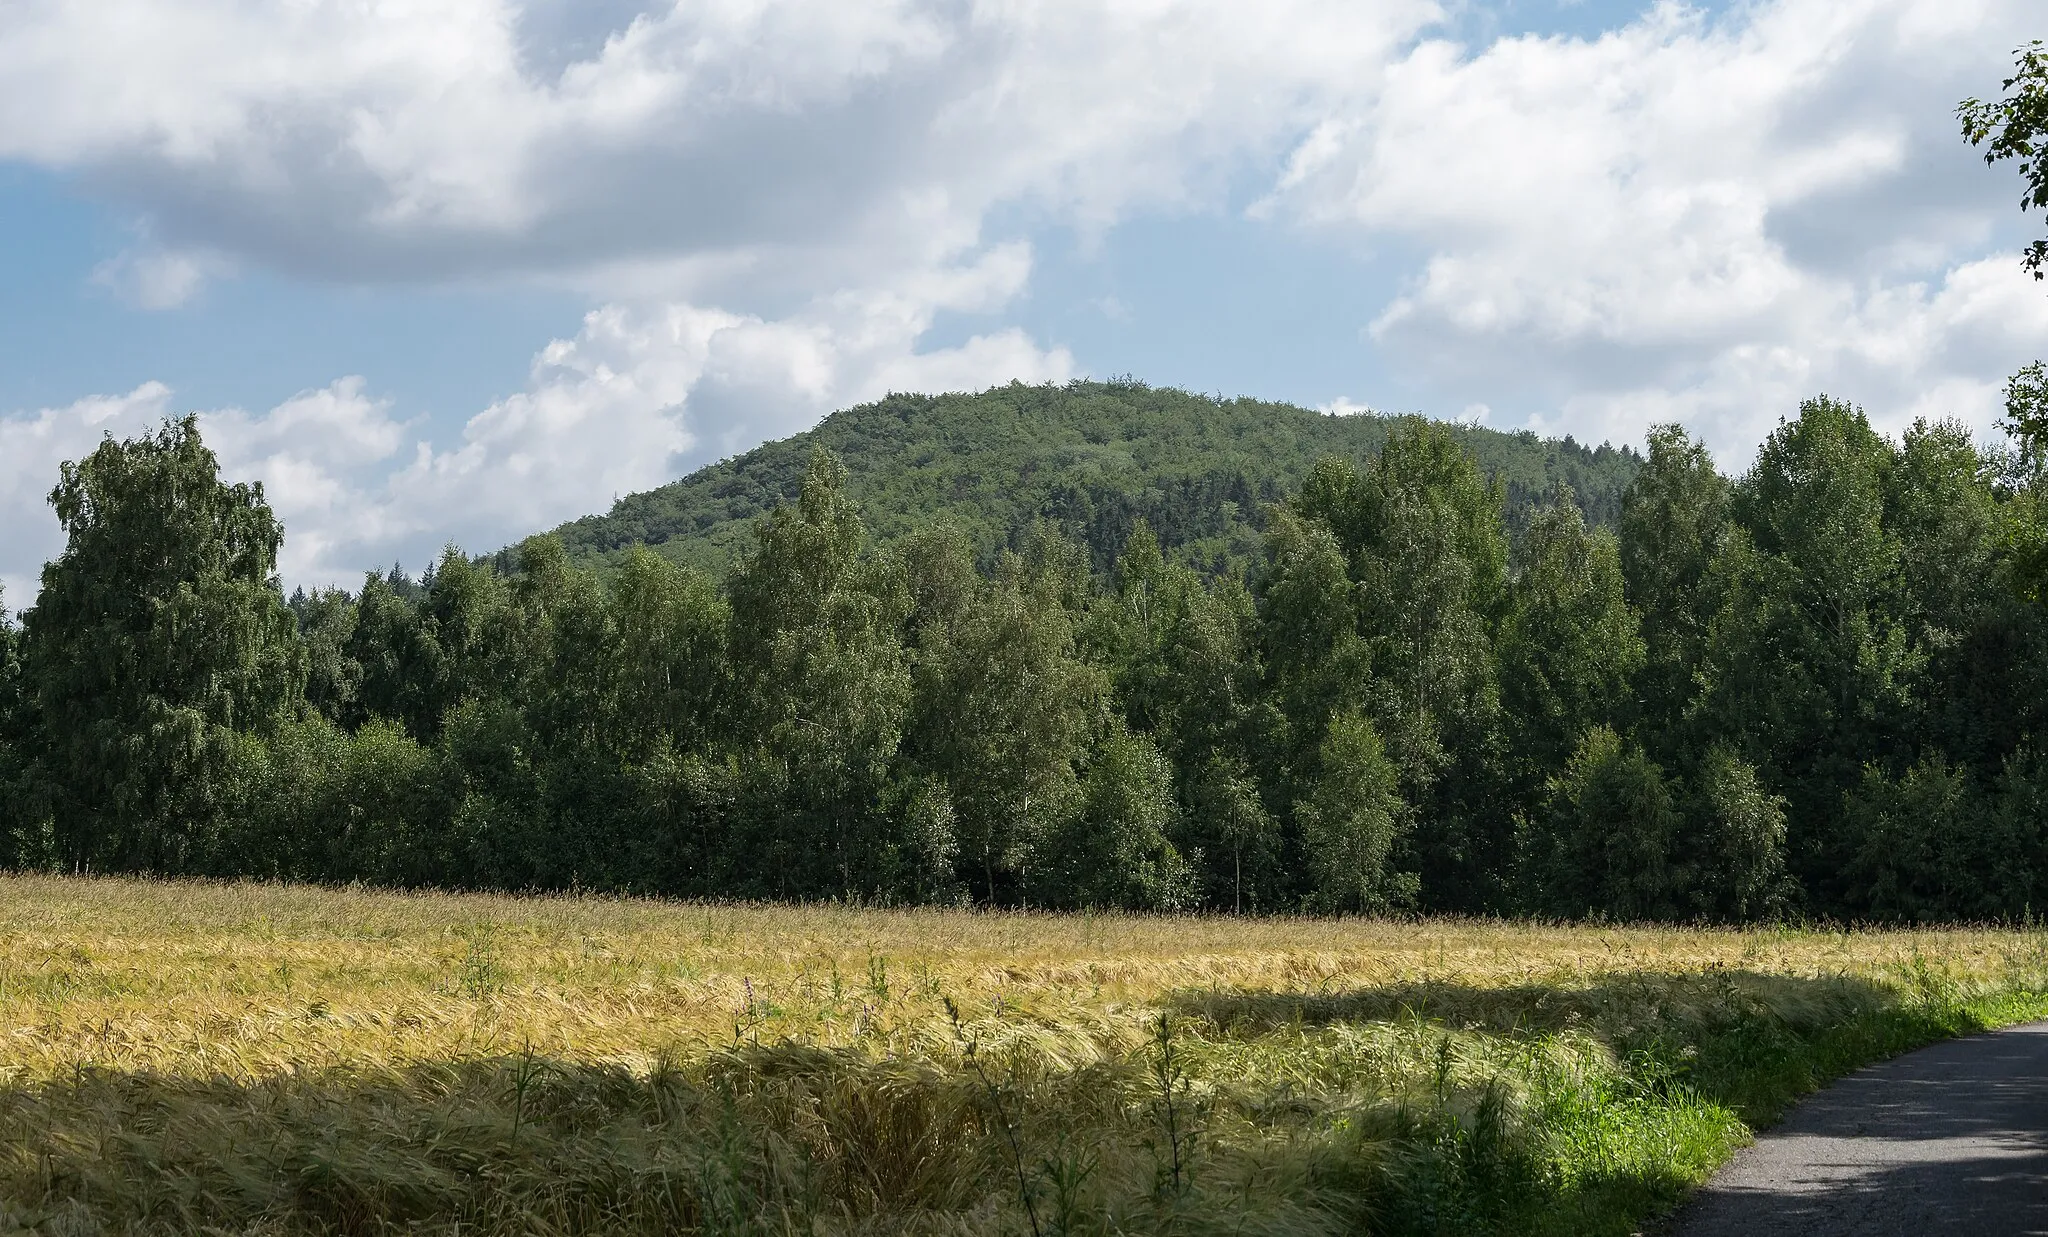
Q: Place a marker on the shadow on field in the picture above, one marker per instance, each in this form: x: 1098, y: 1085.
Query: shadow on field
x: 743, y: 1141
x: 1614, y: 1009
x: 1749, y: 1040
x: 757, y: 1139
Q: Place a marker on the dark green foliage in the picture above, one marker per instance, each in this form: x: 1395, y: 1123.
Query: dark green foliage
x: 1673, y: 517
x: 16, y: 812
x: 1350, y: 821
x: 1229, y: 824
x: 397, y: 662
x: 669, y: 657
x: 1602, y: 845
x: 1736, y: 851
x: 1937, y: 843
x: 1095, y: 458
x: 1966, y: 624
x: 1570, y: 646
x: 1379, y: 602
x: 1116, y: 850
x: 2023, y: 476
x: 821, y: 688
x: 158, y: 636
x: 1316, y: 659
x: 327, y: 622
x: 1820, y: 689
x: 1006, y: 711
x: 1907, y: 833
x: 314, y: 802
x: 1422, y: 529
x: 1808, y: 662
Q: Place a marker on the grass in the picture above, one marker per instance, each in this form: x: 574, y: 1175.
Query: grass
x: 257, y: 1059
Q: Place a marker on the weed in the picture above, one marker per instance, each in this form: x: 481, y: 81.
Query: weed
x: 1171, y: 1078
x: 521, y: 1082
x: 968, y: 1054
x: 479, y: 976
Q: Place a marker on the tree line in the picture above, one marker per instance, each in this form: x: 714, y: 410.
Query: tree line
x: 1815, y: 689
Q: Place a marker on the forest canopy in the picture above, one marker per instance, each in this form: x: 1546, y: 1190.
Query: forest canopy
x: 1813, y: 689
x: 1095, y: 458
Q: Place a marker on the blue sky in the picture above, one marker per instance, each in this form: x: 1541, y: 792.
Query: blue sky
x: 463, y: 274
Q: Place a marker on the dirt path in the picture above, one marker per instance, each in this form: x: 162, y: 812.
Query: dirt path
x: 1950, y: 1139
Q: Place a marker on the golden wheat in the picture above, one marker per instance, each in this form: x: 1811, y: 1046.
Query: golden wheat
x: 262, y: 1058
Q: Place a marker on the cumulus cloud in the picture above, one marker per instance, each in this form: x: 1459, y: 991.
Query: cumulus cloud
x: 317, y: 455
x: 1691, y: 216
x: 1344, y: 406
x: 807, y: 139
x: 30, y: 449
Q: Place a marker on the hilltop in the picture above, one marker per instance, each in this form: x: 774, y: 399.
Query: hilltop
x: 1094, y: 456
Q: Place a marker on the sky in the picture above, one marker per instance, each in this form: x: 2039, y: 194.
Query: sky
x: 455, y: 272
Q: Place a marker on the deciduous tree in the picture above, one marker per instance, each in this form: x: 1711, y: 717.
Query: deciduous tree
x: 159, y: 632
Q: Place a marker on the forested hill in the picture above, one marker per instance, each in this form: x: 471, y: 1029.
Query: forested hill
x: 1093, y: 456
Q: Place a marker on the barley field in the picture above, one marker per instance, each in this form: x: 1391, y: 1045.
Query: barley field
x: 264, y: 1059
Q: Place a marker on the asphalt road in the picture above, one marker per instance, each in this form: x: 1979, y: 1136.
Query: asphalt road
x: 1949, y: 1139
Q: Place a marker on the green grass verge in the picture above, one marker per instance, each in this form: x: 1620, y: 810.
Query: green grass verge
x: 1602, y: 1153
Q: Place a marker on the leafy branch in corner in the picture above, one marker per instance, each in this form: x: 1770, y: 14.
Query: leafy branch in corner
x: 2016, y: 127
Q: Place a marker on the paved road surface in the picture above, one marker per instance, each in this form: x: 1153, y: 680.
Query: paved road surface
x: 1952, y: 1139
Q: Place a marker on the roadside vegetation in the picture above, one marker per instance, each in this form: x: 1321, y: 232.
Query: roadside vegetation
x: 261, y: 1059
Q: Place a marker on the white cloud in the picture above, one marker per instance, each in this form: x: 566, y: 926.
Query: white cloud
x: 1691, y: 216
x: 1344, y: 406
x: 809, y: 140
x: 770, y: 202
x: 157, y: 279
x: 317, y: 455
x: 323, y: 457
x: 639, y: 395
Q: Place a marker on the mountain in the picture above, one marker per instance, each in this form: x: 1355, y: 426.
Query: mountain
x: 1093, y: 456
